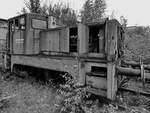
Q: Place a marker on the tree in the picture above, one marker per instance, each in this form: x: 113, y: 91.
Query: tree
x: 23, y: 11
x: 99, y: 9
x: 86, y: 13
x: 93, y: 10
x: 60, y: 10
x: 113, y: 16
x: 33, y: 6
x: 123, y: 21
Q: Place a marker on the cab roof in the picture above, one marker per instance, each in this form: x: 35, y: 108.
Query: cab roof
x: 29, y: 14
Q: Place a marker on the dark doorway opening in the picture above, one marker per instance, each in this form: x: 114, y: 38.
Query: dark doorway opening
x: 73, y: 36
x: 96, y: 39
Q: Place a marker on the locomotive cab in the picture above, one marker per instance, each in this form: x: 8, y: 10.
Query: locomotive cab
x: 24, y: 32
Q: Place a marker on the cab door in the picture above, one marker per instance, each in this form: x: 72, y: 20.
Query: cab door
x: 17, y: 35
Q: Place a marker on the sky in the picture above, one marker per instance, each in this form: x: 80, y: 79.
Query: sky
x: 136, y: 11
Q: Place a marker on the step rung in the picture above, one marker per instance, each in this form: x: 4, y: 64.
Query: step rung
x: 96, y: 74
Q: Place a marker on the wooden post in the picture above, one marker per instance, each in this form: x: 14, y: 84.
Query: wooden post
x: 111, y: 81
x: 142, y: 73
x: 82, y: 74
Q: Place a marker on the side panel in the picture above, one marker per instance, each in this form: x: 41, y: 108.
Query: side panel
x: 69, y: 65
x: 64, y: 40
x: 36, y: 41
x: 49, y: 41
x: 29, y: 38
x: 111, y: 41
x: 83, y: 34
x: 18, y: 42
x: 97, y: 80
x: 29, y: 42
x: 34, y: 24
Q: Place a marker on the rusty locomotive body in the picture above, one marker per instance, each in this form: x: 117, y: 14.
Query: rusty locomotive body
x: 89, y: 52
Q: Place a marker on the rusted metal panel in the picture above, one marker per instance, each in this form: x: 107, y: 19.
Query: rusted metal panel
x: 33, y: 27
x: 36, y: 42
x: 97, y: 82
x: 69, y: 65
x: 49, y: 41
x: 64, y: 40
x: 83, y: 35
x: 111, y: 41
x: 29, y: 42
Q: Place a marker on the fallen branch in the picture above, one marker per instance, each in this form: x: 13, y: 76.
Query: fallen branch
x: 8, y: 97
x: 133, y: 91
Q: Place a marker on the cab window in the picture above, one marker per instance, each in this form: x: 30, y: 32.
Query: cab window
x: 17, y: 24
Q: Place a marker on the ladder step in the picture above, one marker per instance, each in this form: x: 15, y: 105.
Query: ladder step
x: 97, y: 74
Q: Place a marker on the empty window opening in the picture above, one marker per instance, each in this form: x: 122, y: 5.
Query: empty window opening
x: 96, y: 39
x: 73, y: 36
x: 97, y: 69
x: 17, y: 24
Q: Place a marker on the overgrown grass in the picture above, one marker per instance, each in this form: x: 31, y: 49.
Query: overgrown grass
x: 30, y: 96
x: 19, y: 95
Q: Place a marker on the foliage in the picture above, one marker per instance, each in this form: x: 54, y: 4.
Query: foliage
x: 122, y: 82
x: 123, y: 21
x: 99, y: 9
x: 73, y: 94
x: 93, y: 10
x: 139, y: 30
x: 86, y: 13
x: 113, y: 15
x: 29, y: 96
x: 32, y: 6
x: 137, y: 43
x: 62, y: 11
